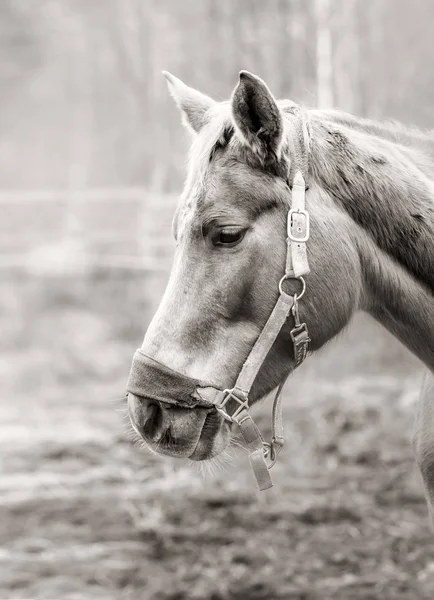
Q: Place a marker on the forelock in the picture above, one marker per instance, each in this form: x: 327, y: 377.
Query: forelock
x: 214, y: 134
x: 219, y: 132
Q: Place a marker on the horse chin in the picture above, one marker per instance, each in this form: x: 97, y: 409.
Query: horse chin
x: 211, y: 444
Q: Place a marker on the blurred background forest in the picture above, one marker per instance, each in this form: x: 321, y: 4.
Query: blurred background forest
x: 84, y: 102
x: 92, y: 158
x: 85, y: 114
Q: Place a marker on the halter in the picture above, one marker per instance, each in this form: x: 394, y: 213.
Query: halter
x: 150, y: 379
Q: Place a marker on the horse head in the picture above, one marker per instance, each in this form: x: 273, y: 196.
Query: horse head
x: 230, y: 229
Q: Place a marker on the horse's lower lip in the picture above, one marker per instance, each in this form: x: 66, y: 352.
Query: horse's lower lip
x: 210, y: 427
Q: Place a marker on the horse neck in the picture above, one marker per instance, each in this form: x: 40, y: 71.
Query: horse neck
x: 397, y: 300
x: 387, y: 189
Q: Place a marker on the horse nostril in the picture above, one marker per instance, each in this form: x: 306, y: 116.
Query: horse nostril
x: 166, y: 437
x: 152, y: 420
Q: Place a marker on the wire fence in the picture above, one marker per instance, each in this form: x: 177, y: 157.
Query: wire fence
x: 57, y: 232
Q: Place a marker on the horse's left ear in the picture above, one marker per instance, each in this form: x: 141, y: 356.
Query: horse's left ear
x: 193, y: 104
x: 256, y: 114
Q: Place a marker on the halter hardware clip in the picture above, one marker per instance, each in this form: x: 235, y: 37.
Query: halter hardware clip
x: 226, y: 395
x: 271, y: 450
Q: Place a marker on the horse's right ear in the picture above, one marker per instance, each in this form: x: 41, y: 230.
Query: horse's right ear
x: 256, y: 115
x: 193, y: 104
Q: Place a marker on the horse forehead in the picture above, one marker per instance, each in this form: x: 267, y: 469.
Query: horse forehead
x: 199, y: 191
x: 193, y: 196
x: 231, y: 186
x: 190, y: 208
x: 186, y: 215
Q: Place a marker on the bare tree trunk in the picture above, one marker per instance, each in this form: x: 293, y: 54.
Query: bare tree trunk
x: 324, y: 58
x: 346, y: 71
x: 376, y: 59
x: 81, y: 137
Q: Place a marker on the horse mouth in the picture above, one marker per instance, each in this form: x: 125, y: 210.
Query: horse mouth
x: 208, y: 442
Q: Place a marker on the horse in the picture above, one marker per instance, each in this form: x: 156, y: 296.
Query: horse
x: 291, y: 220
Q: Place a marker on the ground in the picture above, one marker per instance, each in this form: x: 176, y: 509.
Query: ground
x: 86, y: 513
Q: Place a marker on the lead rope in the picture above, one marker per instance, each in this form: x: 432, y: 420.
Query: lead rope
x: 263, y: 454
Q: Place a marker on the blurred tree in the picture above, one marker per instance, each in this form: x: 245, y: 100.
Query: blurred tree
x: 20, y: 52
x: 324, y: 58
x: 346, y: 72
x: 83, y: 99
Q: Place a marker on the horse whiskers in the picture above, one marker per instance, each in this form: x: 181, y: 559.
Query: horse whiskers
x: 203, y: 468
x: 214, y: 464
x: 117, y: 399
x: 226, y: 458
x: 138, y: 443
x: 235, y: 443
x: 130, y: 429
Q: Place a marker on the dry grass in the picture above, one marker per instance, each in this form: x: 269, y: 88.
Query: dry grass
x: 87, y: 514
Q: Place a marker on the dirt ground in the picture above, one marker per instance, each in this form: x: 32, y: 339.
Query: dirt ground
x: 85, y: 513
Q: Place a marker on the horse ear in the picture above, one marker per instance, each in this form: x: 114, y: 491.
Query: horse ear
x: 256, y: 114
x: 193, y: 104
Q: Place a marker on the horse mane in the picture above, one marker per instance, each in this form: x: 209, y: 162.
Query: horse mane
x: 392, y: 130
x: 382, y: 176
x: 218, y: 132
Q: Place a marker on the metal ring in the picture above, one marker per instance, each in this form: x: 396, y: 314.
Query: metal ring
x: 302, y: 281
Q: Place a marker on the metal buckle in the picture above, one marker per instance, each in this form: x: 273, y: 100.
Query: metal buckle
x: 228, y: 394
x: 298, y: 225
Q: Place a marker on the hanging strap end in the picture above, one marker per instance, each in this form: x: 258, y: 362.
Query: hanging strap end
x: 260, y: 469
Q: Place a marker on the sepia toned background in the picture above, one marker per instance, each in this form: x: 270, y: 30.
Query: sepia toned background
x: 92, y: 158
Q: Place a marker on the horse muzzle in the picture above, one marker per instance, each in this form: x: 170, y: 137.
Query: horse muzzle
x: 196, y: 433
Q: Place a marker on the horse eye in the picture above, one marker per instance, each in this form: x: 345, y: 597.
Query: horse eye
x: 229, y: 237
